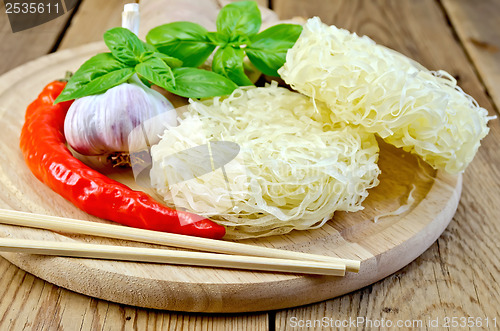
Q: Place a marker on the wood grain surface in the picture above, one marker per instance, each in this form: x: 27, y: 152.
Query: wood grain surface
x: 383, y: 247
x: 20, y: 47
x: 94, y: 17
x: 480, y: 36
x: 457, y: 275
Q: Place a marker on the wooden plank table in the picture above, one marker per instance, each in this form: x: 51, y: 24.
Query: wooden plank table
x: 458, y: 276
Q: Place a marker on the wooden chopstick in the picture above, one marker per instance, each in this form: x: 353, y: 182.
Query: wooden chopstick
x: 154, y: 255
x: 69, y: 225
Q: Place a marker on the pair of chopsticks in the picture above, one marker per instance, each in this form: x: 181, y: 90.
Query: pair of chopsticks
x: 234, y: 255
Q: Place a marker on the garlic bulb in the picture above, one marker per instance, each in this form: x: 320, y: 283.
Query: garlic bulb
x: 127, y: 116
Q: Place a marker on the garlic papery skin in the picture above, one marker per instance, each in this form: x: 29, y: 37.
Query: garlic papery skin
x: 101, y: 124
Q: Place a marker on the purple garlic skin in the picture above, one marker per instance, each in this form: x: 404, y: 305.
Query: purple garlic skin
x: 127, y: 117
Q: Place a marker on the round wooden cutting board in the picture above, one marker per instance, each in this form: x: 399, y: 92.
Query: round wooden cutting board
x: 383, y: 247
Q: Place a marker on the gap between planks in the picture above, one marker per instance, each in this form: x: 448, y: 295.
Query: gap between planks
x: 71, y: 14
x: 473, y: 26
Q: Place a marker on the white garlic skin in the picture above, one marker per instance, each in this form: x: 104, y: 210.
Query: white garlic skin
x: 101, y: 124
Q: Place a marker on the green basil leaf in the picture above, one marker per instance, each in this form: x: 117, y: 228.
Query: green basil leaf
x: 198, y: 83
x: 145, y: 81
x: 157, y: 72
x: 228, y: 61
x: 170, y: 32
x: 239, y: 18
x: 218, y: 39
x: 96, y: 75
x: 183, y: 40
x: 268, y: 49
x: 146, y: 56
x: 240, y: 40
x: 172, y: 62
x: 126, y: 46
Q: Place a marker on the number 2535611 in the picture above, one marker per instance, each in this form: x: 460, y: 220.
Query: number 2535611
x: 31, y: 8
x: 469, y: 322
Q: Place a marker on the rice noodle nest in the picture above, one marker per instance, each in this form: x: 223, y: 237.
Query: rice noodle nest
x: 366, y: 84
x: 295, y: 167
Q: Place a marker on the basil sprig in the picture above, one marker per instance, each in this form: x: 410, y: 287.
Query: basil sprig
x: 130, y: 55
x: 237, y: 35
x: 173, y: 51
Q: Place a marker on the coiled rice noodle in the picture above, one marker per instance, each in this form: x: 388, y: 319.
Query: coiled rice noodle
x: 387, y: 93
x: 294, y: 169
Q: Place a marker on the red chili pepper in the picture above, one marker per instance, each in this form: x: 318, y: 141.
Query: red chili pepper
x: 44, y: 148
